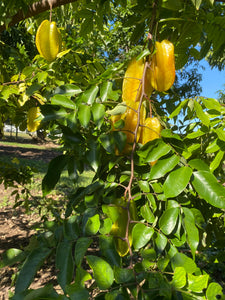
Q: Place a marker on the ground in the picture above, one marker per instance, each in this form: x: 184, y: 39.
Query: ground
x: 15, y: 224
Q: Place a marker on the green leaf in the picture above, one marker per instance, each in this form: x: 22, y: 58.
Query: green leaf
x: 197, y: 283
x: 197, y: 3
x: 211, y: 103
x: 214, y: 291
x: 93, y: 155
x: 12, y: 256
x: 212, y: 147
x: 115, y: 295
x: 106, y: 92
x: 102, y: 271
x: 163, y: 166
x: 70, y: 228
x: 120, y: 139
x: 200, y: 114
x: 169, y: 134
x: 107, y: 142
x: 191, y: 150
x: 119, y: 109
x: 106, y: 226
x: 68, y: 90
x: 46, y: 292
x: 81, y: 247
x: 153, y: 150
x: 31, y: 265
x: 86, y: 27
x: 137, y: 32
x: 33, y: 88
x: 220, y: 133
x: 63, y: 101
x: 172, y: 4
x: 52, y: 176
x: 98, y: 112
x: 160, y: 242
x: 78, y: 293
x: 84, y: 115
x: 179, y: 278
x: 42, y: 76
x: 191, y: 230
x: 177, y: 181
x: 111, y: 211
x: 143, y: 54
x: 208, y: 188
x: 178, y: 109
x: 217, y: 160
x: 81, y: 276
x: 147, y: 214
x: 64, y: 263
x: 108, y: 250
x: 141, y: 234
x: 168, y: 220
x: 198, y: 164
x: 51, y: 113
x: 144, y: 186
x: 89, y: 95
x: 195, y: 134
x: 181, y: 260
x: 92, y: 226
x: 148, y: 254
x: 77, y: 290
x: 123, y: 275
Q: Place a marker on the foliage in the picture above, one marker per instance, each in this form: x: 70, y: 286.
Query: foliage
x: 180, y: 200
x: 16, y: 176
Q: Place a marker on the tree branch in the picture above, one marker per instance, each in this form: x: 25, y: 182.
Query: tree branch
x: 35, y: 9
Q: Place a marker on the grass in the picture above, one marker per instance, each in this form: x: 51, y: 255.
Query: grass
x: 27, y: 146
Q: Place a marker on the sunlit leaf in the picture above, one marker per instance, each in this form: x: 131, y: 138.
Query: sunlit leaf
x: 197, y: 283
x: 197, y: 3
x: 177, y: 181
x: 84, y: 115
x: 191, y: 230
x: 216, y: 161
x: 168, y: 220
x: 214, y: 291
x: 102, y: 271
x: 147, y: 214
x: 179, y: 277
x: 98, y: 112
x: 208, y: 188
x: 106, y: 92
x: 153, y: 150
x: 92, y: 226
x: 89, y: 95
x: 63, y: 101
x: 141, y: 234
x: 68, y: 90
x: 201, y: 114
x: 181, y: 260
x: 12, y: 256
x: 163, y: 166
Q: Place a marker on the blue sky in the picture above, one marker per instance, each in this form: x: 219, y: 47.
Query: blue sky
x: 212, y: 80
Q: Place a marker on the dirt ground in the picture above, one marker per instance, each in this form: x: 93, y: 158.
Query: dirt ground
x: 15, y: 225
